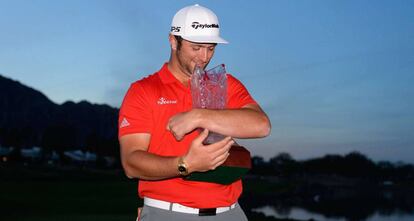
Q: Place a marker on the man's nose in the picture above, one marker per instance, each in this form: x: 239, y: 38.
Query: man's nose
x: 204, y: 55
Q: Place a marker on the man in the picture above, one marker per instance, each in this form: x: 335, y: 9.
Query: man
x: 158, y: 136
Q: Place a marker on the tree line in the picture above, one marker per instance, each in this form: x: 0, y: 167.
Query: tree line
x: 352, y: 165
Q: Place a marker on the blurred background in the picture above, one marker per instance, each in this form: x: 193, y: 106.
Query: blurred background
x: 333, y: 76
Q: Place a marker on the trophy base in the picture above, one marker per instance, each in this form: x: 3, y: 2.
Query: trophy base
x: 237, y: 164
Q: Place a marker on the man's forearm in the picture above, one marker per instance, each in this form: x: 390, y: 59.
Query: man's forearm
x: 147, y: 166
x: 239, y: 123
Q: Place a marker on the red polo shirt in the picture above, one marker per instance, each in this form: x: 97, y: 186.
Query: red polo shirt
x: 147, y: 107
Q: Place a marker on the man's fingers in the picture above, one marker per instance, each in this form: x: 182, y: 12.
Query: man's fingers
x: 223, y: 145
x: 222, y: 154
x: 226, y: 140
x: 202, y: 136
x: 220, y: 160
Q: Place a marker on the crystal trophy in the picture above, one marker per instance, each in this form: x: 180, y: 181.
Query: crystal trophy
x: 209, y: 90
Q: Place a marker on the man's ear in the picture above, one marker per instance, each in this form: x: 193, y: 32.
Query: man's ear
x: 173, y: 42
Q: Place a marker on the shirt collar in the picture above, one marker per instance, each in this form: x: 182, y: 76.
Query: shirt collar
x: 166, y: 76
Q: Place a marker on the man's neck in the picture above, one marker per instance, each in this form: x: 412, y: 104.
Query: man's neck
x: 179, y: 74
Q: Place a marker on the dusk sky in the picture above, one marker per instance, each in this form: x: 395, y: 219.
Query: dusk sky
x: 334, y: 76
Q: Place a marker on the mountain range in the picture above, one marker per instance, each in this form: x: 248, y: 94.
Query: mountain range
x: 28, y: 118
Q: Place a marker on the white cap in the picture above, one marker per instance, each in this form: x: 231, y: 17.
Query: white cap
x: 197, y: 24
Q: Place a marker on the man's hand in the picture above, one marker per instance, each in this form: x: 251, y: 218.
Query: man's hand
x: 181, y: 124
x: 202, y: 158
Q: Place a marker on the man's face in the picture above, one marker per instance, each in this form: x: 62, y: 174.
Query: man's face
x: 191, y: 54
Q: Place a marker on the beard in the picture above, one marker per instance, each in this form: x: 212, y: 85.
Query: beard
x: 187, y: 65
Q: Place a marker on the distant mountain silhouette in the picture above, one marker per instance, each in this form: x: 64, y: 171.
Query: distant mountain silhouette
x: 29, y: 118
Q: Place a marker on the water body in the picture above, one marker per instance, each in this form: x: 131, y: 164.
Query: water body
x: 303, y: 214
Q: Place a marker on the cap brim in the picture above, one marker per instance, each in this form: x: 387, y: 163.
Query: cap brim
x: 205, y: 39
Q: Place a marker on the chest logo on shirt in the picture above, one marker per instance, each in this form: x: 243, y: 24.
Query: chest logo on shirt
x: 164, y: 100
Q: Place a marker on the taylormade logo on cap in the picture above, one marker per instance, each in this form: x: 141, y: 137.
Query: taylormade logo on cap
x: 197, y: 24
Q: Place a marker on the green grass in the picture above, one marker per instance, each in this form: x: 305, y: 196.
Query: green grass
x: 43, y: 194
x: 107, y: 199
x: 71, y: 195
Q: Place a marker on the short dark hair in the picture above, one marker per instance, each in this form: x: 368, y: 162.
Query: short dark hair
x: 179, y: 39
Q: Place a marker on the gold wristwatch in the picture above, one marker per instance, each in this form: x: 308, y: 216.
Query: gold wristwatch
x: 182, y: 167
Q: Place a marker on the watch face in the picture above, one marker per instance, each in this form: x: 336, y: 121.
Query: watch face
x: 182, y: 169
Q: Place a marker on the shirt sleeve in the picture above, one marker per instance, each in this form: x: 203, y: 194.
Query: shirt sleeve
x: 135, y: 115
x: 238, y: 96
